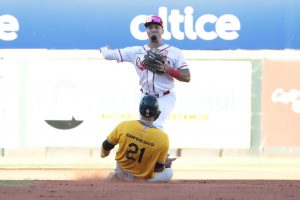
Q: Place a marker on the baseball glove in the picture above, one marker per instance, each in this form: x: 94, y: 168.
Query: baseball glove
x: 154, y: 61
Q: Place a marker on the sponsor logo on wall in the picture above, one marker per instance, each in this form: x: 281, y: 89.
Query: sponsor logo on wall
x: 64, y: 124
x: 291, y: 98
x: 9, y: 27
x: 225, y: 27
x: 191, y: 26
x: 280, y: 104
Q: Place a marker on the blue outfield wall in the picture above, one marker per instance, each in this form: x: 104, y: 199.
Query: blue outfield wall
x: 190, y: 24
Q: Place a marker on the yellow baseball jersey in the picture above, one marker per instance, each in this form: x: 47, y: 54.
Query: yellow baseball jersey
x: 140, y: 147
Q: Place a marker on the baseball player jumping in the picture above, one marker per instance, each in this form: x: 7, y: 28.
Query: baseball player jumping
x: 143, y: 148
x: 157, y: 65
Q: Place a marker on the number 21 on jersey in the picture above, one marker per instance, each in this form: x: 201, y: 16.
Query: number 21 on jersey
x: 134, y: 149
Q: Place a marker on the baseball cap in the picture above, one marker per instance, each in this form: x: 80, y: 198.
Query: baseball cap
x: 154, y: 19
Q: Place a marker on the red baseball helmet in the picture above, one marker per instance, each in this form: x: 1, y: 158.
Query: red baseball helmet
x: 154, y: 20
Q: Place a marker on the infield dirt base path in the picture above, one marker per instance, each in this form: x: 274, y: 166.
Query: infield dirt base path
x: 175, y: 190
x: 259, y: 181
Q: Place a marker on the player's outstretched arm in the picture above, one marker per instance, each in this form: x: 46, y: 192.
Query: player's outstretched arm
x: 108, y: 53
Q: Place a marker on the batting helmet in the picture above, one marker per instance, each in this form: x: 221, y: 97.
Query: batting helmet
x: 149, y: 107
x: 154, y: 20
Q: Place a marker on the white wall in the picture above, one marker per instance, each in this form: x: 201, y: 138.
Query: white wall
x: 213, y: 110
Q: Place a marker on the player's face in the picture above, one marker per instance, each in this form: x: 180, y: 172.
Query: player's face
x: 155, y: 29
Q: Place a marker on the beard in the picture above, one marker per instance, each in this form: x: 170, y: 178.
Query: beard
x: 153, y: 38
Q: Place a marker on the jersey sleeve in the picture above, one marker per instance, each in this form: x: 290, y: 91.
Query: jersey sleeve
x: 110, y: 54
x: 127, y: 54
x: 120, y: 55
x: 164, y: 150
x: 114, y: 137
x: 181, y: 62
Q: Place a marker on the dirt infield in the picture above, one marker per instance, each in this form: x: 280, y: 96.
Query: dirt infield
x: 66, y: 184
x: 175, y: 190
x: 207, y: 179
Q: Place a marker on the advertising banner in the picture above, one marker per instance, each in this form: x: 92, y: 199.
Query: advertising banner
x: 280, y: 125
x: 10, y: 104
x: 190, y: 25
x: 79, y: 102
x: 214, y: 109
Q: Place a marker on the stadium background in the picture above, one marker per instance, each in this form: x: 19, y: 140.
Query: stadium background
x: 243, y: 100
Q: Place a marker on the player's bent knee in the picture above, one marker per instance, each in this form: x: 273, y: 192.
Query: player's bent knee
x: 168, y: 173
x: 163, y: 176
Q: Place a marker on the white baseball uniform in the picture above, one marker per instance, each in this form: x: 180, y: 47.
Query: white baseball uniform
x: 160, y: 85
x: 164, y: 176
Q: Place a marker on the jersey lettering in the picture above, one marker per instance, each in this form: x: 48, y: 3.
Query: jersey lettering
x: 139, y: 63
x: 139, y: 139
x: 134, y: 151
